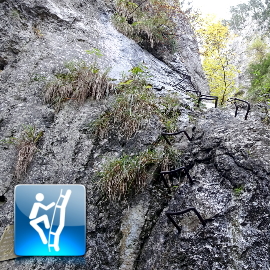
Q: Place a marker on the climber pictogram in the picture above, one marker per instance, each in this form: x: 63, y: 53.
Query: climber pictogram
x: 49, y: 220
x: 33, y: 215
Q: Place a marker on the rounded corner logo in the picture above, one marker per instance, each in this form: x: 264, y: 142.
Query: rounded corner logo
x: 49, y: 220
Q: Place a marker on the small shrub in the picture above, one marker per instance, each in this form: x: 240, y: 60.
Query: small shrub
x: 238, y: 191
x: 170, y: 112
x: 15, y: 14
x: 260, y: 80
x: 149, y: 23
x: 37, y: 32
x: 126, y: 174
x: 171, y: 158
x: 134, y: 104
x: 37, y: 78
x: 81, y: 83
x: 266, y: 115
x: 257, y: 50
x: 129, y: 174
x: 26, y: 149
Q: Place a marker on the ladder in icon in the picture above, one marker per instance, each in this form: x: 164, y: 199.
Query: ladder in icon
x: 61, y: 206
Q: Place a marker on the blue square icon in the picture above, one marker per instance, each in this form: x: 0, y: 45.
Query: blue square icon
x: 49, y: 220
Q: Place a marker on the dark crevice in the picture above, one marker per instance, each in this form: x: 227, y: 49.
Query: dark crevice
x: 153, y: 214
x: 3, y: 198
x: 3, y: 63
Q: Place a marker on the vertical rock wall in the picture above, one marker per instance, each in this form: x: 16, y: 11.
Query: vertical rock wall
x: 38, y: 38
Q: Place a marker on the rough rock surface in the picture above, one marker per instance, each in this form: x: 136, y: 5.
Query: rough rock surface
x: 228, y: 157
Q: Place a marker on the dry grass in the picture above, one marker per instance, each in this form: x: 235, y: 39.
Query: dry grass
x: 127, y: 174
x: 133, y: 107
x: 171, y: 158
x: 25, y: 156
x: 26, y: 149
x: 130, y: 174
x: 150, y: 24
x: 134, y: 103
x: 82, y: 83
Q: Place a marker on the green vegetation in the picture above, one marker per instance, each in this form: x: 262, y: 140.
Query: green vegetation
x: 255, y: 12
x: 266, y: 117
x: 259, y: 70
x: 130, y: 174
x: 96, y: 52
x: 219, y: 71
x: 238, y: 191
x: 150, y: 23
x: 134, y: 104
x: 171, y: 158
x: 127, y: 174
x: 15, y: 14
x: 258, y: 10
x: 37, y: 78
x: 169, y: 112
x: 27, y: 147
x: 260, y: 80
x: 257, y: 49
x: 79, y: 84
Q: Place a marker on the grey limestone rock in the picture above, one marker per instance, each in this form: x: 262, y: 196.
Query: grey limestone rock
x: 228, y: 157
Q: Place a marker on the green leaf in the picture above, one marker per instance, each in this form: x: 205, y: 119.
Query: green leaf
x: 126, y: 82
x: 95, y: 52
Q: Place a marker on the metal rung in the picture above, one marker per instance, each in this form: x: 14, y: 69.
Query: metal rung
x: 207, y: 97
x: 203, y: 221
x: 164, y: 134
x: 185, y: 169
x: 233, y: 100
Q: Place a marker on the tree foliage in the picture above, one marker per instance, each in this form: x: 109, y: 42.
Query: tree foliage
x: 260, y: 80
x: 220, y: 72
x: 257, y: 49
x: 258, y: 10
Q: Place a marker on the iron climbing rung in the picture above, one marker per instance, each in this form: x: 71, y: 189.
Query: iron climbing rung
x: 164, y: 134
x: 197, y: 92
x: 188, y: 77
x: 185, y: 169
x: 237, y: 107
x: 170, y: 214
x: 206, y: 97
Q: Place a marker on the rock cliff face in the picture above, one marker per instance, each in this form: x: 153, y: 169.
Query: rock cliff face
x: 231, y: 175
x: 228, y: 158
